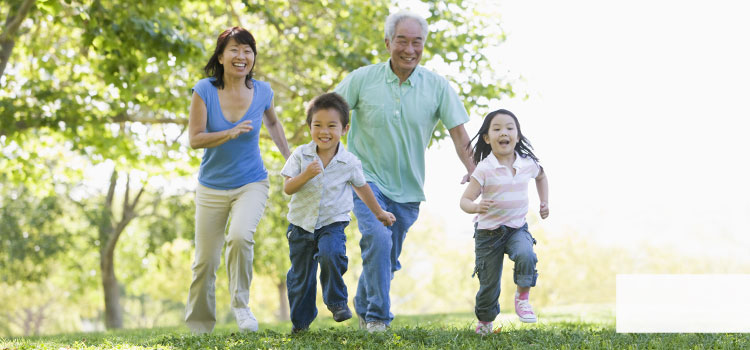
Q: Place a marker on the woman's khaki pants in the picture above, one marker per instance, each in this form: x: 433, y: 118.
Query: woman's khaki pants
x: 240, y: 209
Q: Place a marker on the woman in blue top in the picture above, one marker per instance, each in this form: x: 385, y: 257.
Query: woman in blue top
x: 226, y: 113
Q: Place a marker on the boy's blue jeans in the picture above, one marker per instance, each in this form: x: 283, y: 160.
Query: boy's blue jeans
x: 490, y: 246
x: 381, y: 247
x: 327, y: 247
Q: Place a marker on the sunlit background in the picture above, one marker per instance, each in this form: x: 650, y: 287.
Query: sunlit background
x: 638, y: 111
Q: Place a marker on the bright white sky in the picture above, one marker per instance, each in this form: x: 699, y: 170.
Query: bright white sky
x: 639, y: 113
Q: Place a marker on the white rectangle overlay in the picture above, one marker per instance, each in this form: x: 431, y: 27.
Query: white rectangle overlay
x: 710, y: 303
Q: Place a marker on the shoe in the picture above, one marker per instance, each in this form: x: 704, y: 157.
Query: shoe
x: 376, y: 326
x: 524, y: 311
x: 362, y: 322
x: 296, y: 330
x: 342, y: 314
x: 245, y: 319
x: 483, y: 328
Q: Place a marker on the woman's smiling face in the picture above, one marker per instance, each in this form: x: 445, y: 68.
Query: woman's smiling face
x: 237, y: 59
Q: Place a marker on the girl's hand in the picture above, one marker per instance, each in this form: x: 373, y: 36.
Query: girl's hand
x: 484, y: 205
x: 240, y: 129
x: 544, y: 210
x: 313, y: 169
x: 386, y: 218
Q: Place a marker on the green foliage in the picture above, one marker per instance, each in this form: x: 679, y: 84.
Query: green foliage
x: 31, y: 234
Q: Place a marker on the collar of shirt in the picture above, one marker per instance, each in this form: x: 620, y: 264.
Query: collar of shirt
x: 518, y: 163
x: 391, y: 77
x: 310, y: 150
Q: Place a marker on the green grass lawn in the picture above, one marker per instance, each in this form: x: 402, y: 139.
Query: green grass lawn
x: 556, y: 330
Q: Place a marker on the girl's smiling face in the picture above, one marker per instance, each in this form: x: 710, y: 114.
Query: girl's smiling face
x: 502, y: 135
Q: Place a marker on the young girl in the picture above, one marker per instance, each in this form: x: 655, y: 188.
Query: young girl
x: 505, y: 165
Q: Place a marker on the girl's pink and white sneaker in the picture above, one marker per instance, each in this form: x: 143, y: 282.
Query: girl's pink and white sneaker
x: 524, y: 311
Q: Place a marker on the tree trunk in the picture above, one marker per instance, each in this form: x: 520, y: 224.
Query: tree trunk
x: 283, y: 301
x: 112, y: 309
x: 7, y: 39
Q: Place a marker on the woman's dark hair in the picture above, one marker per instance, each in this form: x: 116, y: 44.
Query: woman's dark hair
x: 214, y: 69
x: 482, y: 149
x: 330, y: 100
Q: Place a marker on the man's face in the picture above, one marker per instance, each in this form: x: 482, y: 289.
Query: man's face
x: 406, y: 47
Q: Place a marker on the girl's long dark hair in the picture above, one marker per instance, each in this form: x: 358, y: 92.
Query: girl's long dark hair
x: 483, y: 149
x: 214, y: 69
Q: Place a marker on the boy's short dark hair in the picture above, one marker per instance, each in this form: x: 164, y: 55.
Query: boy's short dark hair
x: 329, y: 100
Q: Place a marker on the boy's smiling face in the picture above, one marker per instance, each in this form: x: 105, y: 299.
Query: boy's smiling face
x: 326, y: 129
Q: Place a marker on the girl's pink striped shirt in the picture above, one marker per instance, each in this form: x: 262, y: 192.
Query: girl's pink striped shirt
x: 510, y: 193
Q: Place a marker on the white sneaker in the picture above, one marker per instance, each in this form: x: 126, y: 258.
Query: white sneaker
x: 376, y: 326
x: 483, y: 328
x: 245, y: 319
x: 524, y: 311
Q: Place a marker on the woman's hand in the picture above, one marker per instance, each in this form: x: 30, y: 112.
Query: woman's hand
x: 240, y: 129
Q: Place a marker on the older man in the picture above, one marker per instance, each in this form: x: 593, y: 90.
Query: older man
x: 395, y: 108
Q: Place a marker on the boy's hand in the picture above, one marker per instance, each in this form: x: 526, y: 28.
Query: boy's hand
x: 544, y: 210
x: 484, y: 205
x: 313, y: 169
x: 386, y: 218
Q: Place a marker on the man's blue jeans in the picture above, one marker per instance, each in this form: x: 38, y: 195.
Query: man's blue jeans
x: 381, y: 247
x: 327, y: 247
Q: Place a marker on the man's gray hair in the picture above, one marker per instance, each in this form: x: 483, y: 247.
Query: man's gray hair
x: 396, y: 18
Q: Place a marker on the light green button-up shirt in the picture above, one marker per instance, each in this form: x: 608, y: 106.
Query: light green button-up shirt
x: 391, y: 124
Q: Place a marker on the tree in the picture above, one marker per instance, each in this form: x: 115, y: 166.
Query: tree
x: 110, y: 80
x: 16, y: 14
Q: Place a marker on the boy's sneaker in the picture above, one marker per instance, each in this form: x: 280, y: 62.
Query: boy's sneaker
x: 245, y: 319
x: 524, y: 311
x: 483, y: 328
x: 376, y: 326
x: 342, y: 314
x: 296, y: 330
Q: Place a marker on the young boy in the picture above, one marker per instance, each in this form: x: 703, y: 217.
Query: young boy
x: 319, y: 177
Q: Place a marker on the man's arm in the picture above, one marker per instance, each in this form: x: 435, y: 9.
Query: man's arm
x: 461, y: 143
